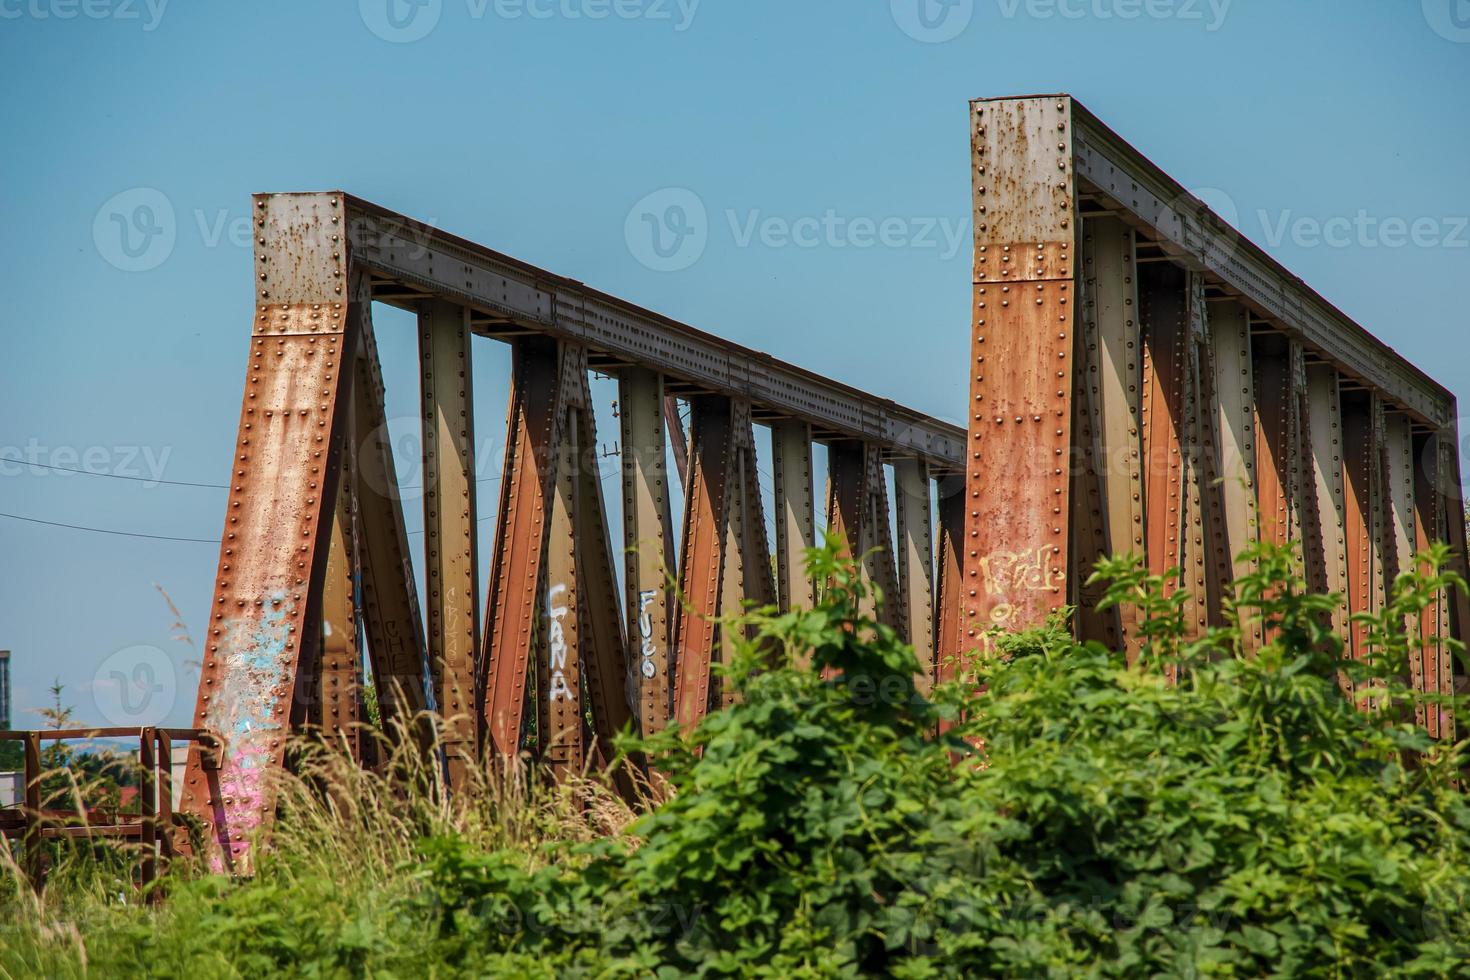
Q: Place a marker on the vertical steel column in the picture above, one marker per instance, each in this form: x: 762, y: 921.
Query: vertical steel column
x: 725, y: 558
x: 1174, y: 534
x: 649, y: 541
x: 857, y: 509
x: 339, y: 674
x: 1362, y: 468
x: 951, y: 633
x: 391, y: 620
x: 1325, y: 422
x: 911, y: 485
x: 515, y: 604
x: 603, y: 654
x: 702, y: 557
x: 1236, y: 424
x: 791, y: 450
x: 449, y: 524
x: 1206, y: 460
x: 1398, y: 473
x: 283, y: 483
x: 1112, y: 304
x: 559, y: 667
x: 1015, y: 555
x: 1442, y: 479
x: 1089, y: 525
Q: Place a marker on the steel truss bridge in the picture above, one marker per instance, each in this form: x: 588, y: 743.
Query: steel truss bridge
x: 1141, y: 379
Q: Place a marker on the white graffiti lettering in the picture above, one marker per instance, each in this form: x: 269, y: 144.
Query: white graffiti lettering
x: 557, y: 689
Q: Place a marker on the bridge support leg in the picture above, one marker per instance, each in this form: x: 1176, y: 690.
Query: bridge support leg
x: 283, y: 487
x: 791, y: 446
x: 1018, y: 494
x: 724, y: 559
x: 649, y: 541
x: 912, y: 488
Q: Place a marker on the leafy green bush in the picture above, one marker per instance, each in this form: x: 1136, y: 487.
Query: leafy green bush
x: 1246, y: 820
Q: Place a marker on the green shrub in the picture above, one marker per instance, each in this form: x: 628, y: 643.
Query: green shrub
x: 1245, y: 820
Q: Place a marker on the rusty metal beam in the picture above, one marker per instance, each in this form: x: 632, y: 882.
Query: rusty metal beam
x: 1143, y: 195
x: 1363, y: 491
x: 952, y: 634
x: 1015, y: 554
x: 1325, y: 420
x: 724, y: 559
x: 791, y: 451
x: 648, y: 540
x: 451, y: 568
x: 507, y: 292
x: 1173, y: 534
x: 1113, y: 341
x: 857, y: 509
x: 283, y: 485
x: 516, y: 569
x: 340, y: 674
x: 605, y: 663
x: 912, y: 488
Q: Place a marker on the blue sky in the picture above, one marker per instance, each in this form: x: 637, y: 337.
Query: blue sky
x: 790, y: 133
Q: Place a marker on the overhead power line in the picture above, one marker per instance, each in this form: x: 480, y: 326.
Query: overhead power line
x: 105, y: 530
x: 114, y: 476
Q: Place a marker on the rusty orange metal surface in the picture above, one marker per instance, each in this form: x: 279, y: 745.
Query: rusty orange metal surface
x: 1018, y: 491
x: 282, y: 493
x: 520, y: 541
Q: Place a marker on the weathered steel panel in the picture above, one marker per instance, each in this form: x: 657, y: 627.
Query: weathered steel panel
x: 1112, y: 324
x: 952, y: 635
x: 1235, y: 422
x: 648, y: 540
x: 515, y: 605
x: 1362, y: 475
x: 702, y: 556
x: 395, y: 635
x: 338, y: 695
x: 559, y: 634
x: 283, y: 486
x: 912, y: 487
x: 1018, y: 491
x: 857, y: 509
x: 1327, y: 478
x: 451, y: 568
x: 604, y: 659
x: 791, y: 450
x: 1169, y: 530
